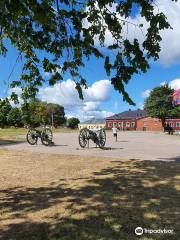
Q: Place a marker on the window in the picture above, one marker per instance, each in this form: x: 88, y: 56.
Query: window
x: 177, y: 124
x: 115, y: 124
x: 127, y: 124
x: 120, y: 124
x: 109, y: 124
x: 133, y: 124
x: 171, y: 124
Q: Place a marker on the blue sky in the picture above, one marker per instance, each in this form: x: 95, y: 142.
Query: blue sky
x: 101, y: 100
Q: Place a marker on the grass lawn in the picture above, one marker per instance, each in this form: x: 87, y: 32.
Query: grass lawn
x: 59, y: 197
x: 11, y: 133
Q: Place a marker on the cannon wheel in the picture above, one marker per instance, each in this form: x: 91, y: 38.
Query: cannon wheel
x: 32, y: 136
x: 83, y: 134
x: 46, y: 137
x: 102, y: 138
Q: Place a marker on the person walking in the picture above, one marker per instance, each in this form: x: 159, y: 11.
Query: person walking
x: 115, y: 130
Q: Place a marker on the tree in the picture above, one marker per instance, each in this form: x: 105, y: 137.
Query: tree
x: 5, y: 108
x: 73, y: 122
x: 175, y: 112
x: 60, y: 35
x: 34, y: 113
x: 55, y: 114
x: 14, y: 117
x: 159, y: 103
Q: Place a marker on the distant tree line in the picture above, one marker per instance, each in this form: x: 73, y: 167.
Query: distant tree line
x: 34, y: 113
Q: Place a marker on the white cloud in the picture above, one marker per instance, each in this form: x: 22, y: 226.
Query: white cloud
x: 146, y: 93
x: 18, y: 92
x: 83, y: 116
x: 175, y: 84
x: 91, y: 106
x: 170, y: 47
x: 163, y: 83
x: 141, y: 105
x: 48, y: 74
x: 99, y: 91
x: 170, y: 52
x: 64, y: 93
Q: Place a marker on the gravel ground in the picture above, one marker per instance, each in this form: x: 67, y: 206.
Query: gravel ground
x: 130, y: 145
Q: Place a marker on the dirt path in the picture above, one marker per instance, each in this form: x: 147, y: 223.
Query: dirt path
x: 130, y: 145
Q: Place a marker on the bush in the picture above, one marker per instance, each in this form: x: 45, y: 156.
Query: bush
x: 73, y: 122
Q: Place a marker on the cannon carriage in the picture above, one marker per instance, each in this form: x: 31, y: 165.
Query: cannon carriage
x: 97, y: 136
x: 45, y: 136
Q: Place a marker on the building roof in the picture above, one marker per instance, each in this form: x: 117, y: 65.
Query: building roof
x: 131, y: 114
x: 94, y: 121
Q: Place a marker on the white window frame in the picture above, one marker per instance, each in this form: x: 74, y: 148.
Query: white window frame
x: 171, y: 124
x: 109, y: 124
x: 128, y: 124
x: 177, y: 124
x: 132, y: 124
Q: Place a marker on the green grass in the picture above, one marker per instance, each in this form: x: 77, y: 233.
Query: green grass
x: 12, y: 133
x: 64, y: 130
x: 20, y: 133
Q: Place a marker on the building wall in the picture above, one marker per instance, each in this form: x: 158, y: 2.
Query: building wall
x: 174, y: 123
x: 149, y: 124
x: 143, y: 124
x: 123, y: 124
x: 91, y: 126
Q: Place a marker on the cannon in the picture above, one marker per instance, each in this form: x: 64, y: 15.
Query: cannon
x: 45, y: 135
x: 97, y: 136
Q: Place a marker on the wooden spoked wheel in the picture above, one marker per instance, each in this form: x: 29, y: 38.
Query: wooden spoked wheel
x: 102, y: 138
x: 46, y: 137
x: 32, y: 137
x: 83, y: 137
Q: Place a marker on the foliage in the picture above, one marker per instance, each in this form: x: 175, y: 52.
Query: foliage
x: 14, y: 117
x: 159, y: 102
x: 73, y: 122
x: 33, y: 113
x: 175, y: 112
x: 60, y: 35
x: 5, y: 108
x: 36, y: 113
x: 55, y: 113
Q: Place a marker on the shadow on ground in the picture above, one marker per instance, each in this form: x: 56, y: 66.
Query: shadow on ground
x: 108, y: 205
x: 4, y: 142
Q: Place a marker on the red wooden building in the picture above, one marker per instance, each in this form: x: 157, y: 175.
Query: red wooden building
x: 174, y: 123
x: 138, y: 120
x: 126, y: 120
